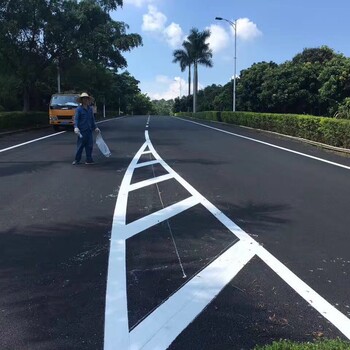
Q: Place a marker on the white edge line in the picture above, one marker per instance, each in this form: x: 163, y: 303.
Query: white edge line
x: 148, y: 182
x: 327, y: 310
x: 150, y: 220
x: 28, y: 142
x: 268, y: 144
x: 161, y: 327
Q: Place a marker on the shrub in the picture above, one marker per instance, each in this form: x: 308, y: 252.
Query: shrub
x: 14, y: 120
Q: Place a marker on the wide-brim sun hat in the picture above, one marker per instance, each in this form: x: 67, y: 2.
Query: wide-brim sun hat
x: 84, y: 94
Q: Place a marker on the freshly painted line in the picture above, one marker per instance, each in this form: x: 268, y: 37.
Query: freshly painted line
x: 116, y: 332
x: 321, y: 305
x: 327, y: 310
x: 151, y: 162
x: 159, y: 329
x: 31, y: 141
x: 269, y: 144
x: 149, y: 182
x: 162, y: 326
x: 45, y: 137
x: 150, y: 220
x: 146, y: 152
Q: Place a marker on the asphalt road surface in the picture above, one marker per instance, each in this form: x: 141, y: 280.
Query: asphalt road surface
x: 192, y: 235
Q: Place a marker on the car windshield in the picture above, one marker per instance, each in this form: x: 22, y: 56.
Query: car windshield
x: 64, y: 101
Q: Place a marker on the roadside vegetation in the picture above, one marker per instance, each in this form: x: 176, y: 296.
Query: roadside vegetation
x: 335, y: 344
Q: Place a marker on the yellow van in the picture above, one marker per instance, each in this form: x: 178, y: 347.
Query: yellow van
x: 62, y: 110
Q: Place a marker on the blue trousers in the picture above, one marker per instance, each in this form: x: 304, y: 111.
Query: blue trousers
x: 86, y: 142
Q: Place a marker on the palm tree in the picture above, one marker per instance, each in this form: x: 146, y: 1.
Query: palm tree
x: 183, y: 57
x: 198, y: 48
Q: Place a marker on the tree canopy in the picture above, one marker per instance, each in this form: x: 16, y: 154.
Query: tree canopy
x: 77, y: 38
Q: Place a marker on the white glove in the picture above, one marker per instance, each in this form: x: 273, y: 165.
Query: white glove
x: 97, y: 130
x: 77, y: 131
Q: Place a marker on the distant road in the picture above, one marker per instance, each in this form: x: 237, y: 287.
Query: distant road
x: 221, y: 238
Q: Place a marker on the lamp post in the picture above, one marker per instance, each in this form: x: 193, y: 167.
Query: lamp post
x: 234, y: 25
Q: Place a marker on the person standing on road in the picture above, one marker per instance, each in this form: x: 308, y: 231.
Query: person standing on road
x: 84, y: 124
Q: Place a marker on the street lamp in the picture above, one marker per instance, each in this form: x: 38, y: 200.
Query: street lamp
x: 234, y: 25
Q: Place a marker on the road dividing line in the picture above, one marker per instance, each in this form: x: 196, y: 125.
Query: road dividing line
x: 162, y: 326
x: 151, y: 162
x: 268, y: 144
x: 159, y: 216
x: 327, y: 310
x: 31, y: 141
x: 150, y: 181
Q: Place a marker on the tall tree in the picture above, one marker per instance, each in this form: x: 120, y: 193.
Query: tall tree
x: 182, y: 56
x: 199, y: 52
x: 35, y: 34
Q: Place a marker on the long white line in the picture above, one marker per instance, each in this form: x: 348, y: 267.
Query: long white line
x: 161, y: 327
x: 157, y: 331
x: 116, y: 332
x: 327, y: 310
x: 320, y: 304
x: 268, y: 144
x: 45, y: 137
x: 31, y: 141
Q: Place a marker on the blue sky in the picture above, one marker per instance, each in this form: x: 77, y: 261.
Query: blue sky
x: 267, y: 30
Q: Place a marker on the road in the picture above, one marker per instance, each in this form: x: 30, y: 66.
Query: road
x: 191, y: 236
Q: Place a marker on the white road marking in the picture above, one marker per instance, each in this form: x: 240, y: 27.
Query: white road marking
x: 153, y: 219
x: 45, y: 137
x: 150, y: 181
x: 162, y: 326
x: 157, y: 331
x: 151, y: 162
x: 31, y: 141
x: 269, y: 144
x: 327, y: 310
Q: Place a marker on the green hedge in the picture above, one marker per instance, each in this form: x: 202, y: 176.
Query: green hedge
x: 334, y: 132
x: 18, y: 120
x: 336, y: 344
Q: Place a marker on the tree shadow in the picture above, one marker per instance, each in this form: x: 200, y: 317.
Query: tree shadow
x: 53, y: 285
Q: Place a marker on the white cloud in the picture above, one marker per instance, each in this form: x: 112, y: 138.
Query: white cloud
x: 219, y: 39
x: 173, y: 35
x: 246, y: 29
x: 137, y: 3
x: 154, y: 20
x: 166, y: 87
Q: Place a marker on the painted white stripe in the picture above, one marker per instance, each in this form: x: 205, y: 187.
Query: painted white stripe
x: 116, y: 332
x: 148, y: 221
x: 269, y: 144
x: 31, y: 141
x: 157, y: 331
x: 151, y: 162
x: 236, y: 230
x: 320, y: 304
x: 45, y: 137
x: 327, y: 310
x: 146, y: 152
x: 150, y: 181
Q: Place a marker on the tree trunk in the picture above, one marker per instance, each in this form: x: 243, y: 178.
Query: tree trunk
x: 189, y: 80
x: 26, y: 99
x: 195, y: 83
